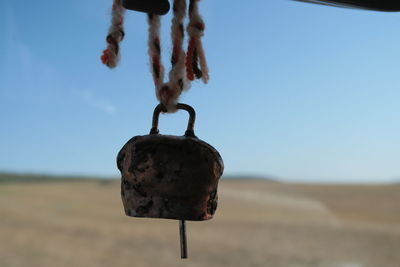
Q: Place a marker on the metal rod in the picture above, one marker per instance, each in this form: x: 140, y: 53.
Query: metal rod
x: 182, y: 233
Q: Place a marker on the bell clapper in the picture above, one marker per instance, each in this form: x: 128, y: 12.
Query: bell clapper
x: 182, y: 234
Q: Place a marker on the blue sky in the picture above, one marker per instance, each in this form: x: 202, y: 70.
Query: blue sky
x: 297, y: 91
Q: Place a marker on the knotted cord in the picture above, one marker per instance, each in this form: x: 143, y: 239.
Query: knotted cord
x: 195, y: 52
x: 168, y: 92
x: 185, y: 66
x: 115, y: 35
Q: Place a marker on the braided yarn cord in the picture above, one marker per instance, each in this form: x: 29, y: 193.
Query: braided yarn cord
x: 195, y: 51
x: 168, y: 92
x: 111, y: 54
x: 185, y: 66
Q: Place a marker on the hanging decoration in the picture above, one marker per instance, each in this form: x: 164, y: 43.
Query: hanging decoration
x: 164, y: 176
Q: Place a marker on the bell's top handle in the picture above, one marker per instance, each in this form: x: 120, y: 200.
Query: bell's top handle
x: 192, y: 117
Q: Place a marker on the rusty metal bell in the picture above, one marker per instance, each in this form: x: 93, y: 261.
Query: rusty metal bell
x: 171, y: 177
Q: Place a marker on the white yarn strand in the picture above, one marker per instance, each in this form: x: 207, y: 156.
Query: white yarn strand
x: 154, y: 49
x: 111, y: 55
x: 178, y: 70
x: 195, y: 32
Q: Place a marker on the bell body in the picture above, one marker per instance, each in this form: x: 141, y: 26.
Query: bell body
x: 171, y: 177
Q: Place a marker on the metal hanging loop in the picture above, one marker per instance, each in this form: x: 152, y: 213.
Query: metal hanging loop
x: 192, y: 117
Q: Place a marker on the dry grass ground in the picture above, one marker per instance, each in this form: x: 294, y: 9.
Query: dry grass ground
x: 258, y: 223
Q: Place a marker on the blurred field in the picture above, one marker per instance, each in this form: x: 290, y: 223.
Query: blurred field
x: 258, y: 223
